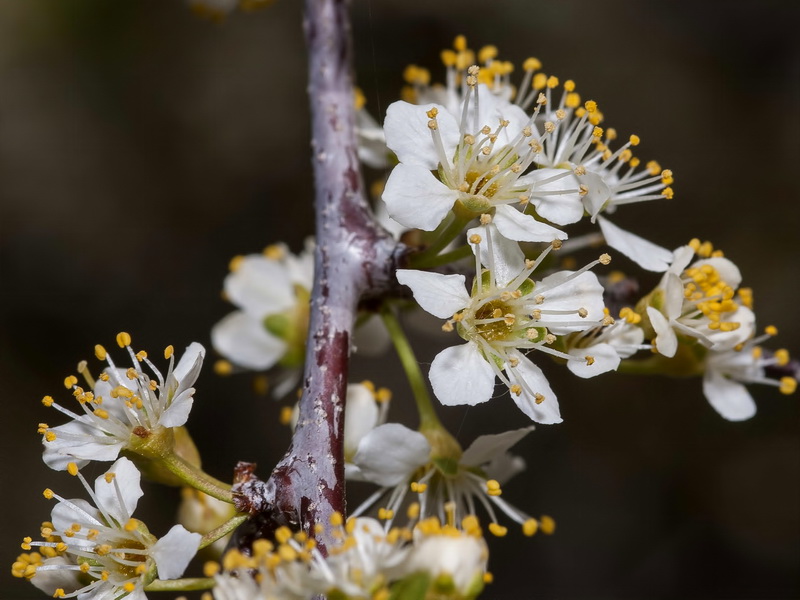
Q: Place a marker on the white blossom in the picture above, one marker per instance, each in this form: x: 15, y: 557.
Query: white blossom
x: 504, y: 314
x: 124, y: 408
x: 98, y: 550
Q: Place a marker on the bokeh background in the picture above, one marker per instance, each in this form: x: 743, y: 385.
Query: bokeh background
x: 141, y: 148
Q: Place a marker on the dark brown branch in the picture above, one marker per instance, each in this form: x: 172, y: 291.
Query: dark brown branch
x: 354, y: 258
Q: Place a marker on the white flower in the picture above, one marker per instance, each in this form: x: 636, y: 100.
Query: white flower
x: 124, y: 408
x: 102, y: 553
x: 366, y: 560
x: 399, y: 460
x: 372, y: 148
x: 698, y: 302
x: 727, y: 371
x: 203, y: 513
x: 479, y: 153
x: 454, y: 558
x: 272, y: 292
x: 601, y: 349
x: 506, y: 312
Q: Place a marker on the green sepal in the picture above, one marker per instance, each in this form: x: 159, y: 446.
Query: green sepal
x: 278, y: 325
x: 446, y: 464
x: 413, y: 587
x: 526, y: 287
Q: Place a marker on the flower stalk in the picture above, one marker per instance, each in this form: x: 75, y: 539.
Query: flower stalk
x: 197, y: 478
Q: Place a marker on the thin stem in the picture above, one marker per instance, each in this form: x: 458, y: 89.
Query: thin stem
x: 197, y: 478
x: 222, y: 530
x: 188, y: 584
x: 418, y: 262
x: 419, y: 387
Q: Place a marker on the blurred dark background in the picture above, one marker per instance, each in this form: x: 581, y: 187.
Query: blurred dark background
x: 141, y: 148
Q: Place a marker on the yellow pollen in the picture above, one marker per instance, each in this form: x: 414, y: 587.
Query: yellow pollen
x: 336, y: 519
x: 591, y: 106
x: 547, y: 525
x: 531, y: 64
x: 569, y: 85
x: 123, y: 339
x: 223, y: 367
x: 605, y: 259
x: 418, y: 488
x: 141, y: 355
x: 589, y: 360
x: 634, y: 140
x: 771, y: 330
x: 782, y: 357
x: 668, y: 193
x: 129, y: 587
x: 530, y: 527
x: 413, y: 511
x: 788, y: 385
x: 486, y: 219
x: 498, y: 529
x: 460, y: 43
x: 383, y: 395
x: 488, y: 577
x: 48, y: 401
x: 100, y: 352
x: 141, y: 569
x: 538, y: 398
x: 131, y: 373
x: 70, y: 381
x: 516, y: 389
x: 130, y: 525
x: 475, y: 239
x: 284, y: 534
x: 286, y: 415
x: 48, y: 493
x: 211, y: 568
x: 583, y: 313
x: 50, y: 436
x: 109, y: 477
x: 72, y: 468
x: 493, y: 487
x: 59, y: 593
x: 431, y: 114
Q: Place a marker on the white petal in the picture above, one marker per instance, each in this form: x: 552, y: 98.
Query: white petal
x: 681, y: 257
x: 646, y: 254
x: 178, y: 412
x: 301, y: 267
x: 563, y: 208
x: 188, y: 367
x: 389, y: 454
x: 50, y: 579
x: 440, y: 295
x: 506, y: 260
x: 727, y: 340
x: 119, y: 497
x: 666, y: 341
x: 173, y: 552
x: 597, y: 195
x: 260, y: 286
x: 729, y: 398
x: 409, y: 137
x: 487, y: 447
x: 414, y: 197
x: 533, y: 381
x: 243, y: 340
x: 460, y: 375
x: 524, y: 228
x: 78, y: 511
x: 605, y: 357
x: 561, y: 293
x: 360, y: 417
x: 91, y: 445
x: 504, y: 467
x: 673, y: 295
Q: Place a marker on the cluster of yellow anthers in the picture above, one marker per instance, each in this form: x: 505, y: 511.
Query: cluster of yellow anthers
x: 92, y: 404
x: 26, y: 564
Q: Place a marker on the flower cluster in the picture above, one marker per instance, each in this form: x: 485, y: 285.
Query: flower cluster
x: 445, y: 560
x: 97, y: 549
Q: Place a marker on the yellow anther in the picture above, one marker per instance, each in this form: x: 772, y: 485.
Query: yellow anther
x: 413, y: 511
x: 460, y: 43
x: 59, y: 593
x: 383, y: 395
x: 70, y: 381
x: 131, y: 525
x: 223, y: 367
x: 590, y: 106
x: 515, y: 389
x: 530, y: 527
x: 552, y: 81
x: 771, y: 330
x: 48, y: 493
x: 129, y: 587
x: 475, y: 239
x: 109, y: 477
x: 100, y: 352
x: 336, y: 519
x: 449, y: 58
x: 589, y: 360
x: 498, y: 529
x: 653, y: 168
x: 532, y: 64
x: 50, y: 436
x: 547, y: 525
x: 72, y: 468
x: 285, y: 417
x: 538, y: 398
x: 123, y: 339
x: 235, y: 263
x: 48, y: 401
x: 488, y: 577
x: 569, y: 85
x: 131, y: 373
x: 788, y: 385
x: 487, y: 53
x: 384, y: 514
x: 418, y: 488
x: 284, y: 534
x: 141, y: 569
x: 26, y: 542
x: 634, y: 140
x: 605, y: 259
x: 634, y: 162
x: 573, y: 100
x: 583, y: 313
x: 539, y: 81
x: 782, y: 357
x: 493, y: 487
x: 666, y: 177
